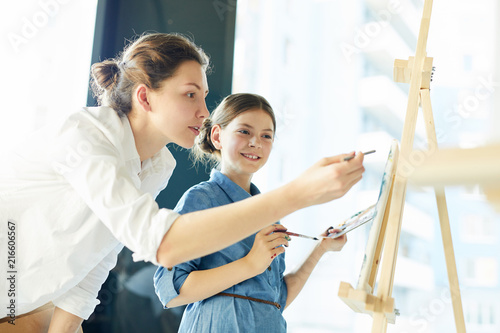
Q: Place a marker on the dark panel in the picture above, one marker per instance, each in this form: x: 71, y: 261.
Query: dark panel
x: 210, y: 23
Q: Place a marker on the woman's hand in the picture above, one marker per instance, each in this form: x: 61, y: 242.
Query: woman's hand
x: 332, y: 244
x: 266, y: 247
x: 330, y: 178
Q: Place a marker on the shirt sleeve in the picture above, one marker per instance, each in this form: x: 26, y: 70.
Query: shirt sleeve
x: 82, y: 299
x: 86, y: 158
x: 168, y: 281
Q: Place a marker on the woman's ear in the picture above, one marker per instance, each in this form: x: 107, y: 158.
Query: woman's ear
x: 215, y: 136
x: 142, y: 96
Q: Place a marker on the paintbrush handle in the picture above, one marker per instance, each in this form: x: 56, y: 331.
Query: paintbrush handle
x: 351, y: 157
x: 289, y: 233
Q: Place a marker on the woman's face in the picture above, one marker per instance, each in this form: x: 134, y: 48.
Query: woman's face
x: 178, y: 107
x: 245, y: 143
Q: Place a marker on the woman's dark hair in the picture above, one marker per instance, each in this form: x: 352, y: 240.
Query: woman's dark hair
x: 149, y: 60
x: 230, y: 107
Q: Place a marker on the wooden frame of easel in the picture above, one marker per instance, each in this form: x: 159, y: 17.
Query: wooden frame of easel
x: 416, y: 71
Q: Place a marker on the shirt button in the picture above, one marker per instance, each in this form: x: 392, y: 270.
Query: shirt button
x: 269, y: 268
x: 169, y: 269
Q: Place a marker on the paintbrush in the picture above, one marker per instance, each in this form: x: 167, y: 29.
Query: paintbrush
x: 351, y: 157
x: 296, y: 234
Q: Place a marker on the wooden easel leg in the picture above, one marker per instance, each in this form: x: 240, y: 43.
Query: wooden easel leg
x: 444, y: 220
x: 379, y: 323
x: 451, y: 265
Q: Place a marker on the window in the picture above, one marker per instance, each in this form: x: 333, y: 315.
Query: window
x: 333, y: 92
x: 480, y: 315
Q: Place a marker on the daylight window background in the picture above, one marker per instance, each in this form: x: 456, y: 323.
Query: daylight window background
x: 326, y: 68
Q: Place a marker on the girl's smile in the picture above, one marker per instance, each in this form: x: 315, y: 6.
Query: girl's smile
x: 250, y: 156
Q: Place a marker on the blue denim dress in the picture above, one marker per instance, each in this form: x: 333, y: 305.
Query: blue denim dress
x: 223, y: 313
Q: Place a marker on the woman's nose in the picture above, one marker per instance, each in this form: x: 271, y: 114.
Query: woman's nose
x: 204, y: 113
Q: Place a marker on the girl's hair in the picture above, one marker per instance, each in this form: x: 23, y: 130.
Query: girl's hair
x: 149, y: 60
x: 231, y: 107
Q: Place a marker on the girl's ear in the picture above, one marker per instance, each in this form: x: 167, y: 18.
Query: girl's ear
x: 142, y: 97
x: 215, y: 136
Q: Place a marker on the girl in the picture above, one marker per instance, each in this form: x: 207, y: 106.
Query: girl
x: 75, y: 193
x: 240, y: 288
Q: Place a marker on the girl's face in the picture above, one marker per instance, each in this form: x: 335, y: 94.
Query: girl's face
x: 245, y: 144
x: 178, y: 107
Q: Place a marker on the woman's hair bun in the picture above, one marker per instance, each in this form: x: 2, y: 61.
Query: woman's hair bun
x: 105, y: 74
x: 207, y: 122
x: 204, y: 140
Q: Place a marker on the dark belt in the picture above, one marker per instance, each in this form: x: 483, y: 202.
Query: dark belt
x: 251, y: 299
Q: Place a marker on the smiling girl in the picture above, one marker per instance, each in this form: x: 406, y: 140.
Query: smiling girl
x: 242, y: 287
x: 80, y: 190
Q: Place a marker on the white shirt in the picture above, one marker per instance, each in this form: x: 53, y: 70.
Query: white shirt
x: 76, y: 194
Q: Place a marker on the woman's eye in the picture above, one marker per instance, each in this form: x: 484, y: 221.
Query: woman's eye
x: 244, y: 132
x: 190, y: 95
x: 267, y: 136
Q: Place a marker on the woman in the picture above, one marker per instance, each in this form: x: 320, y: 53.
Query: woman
x: 77, y: 192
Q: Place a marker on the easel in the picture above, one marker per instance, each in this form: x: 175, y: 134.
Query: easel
x: 417, y: 71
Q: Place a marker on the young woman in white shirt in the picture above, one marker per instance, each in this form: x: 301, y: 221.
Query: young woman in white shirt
x: 75, y: 193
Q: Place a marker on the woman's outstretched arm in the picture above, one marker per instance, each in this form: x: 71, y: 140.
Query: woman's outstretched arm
x: 203, y: 232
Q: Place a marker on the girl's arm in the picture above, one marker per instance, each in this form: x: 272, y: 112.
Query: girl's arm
x: 203, y: 284
x: 217, y: 228
x: 296, y: 280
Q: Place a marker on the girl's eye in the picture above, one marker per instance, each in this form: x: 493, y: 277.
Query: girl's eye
x: 244, y: 132
x: 267, y: 136
x: 190, y: 95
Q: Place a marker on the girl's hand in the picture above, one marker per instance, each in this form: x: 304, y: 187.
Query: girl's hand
x: 329, y: 178
x: 266, y: 247
x: 332, y: 244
